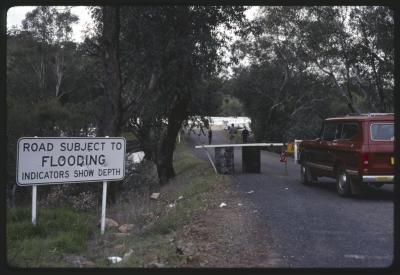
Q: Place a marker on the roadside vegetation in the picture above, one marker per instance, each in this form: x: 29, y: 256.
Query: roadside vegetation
x: 58, y: 231
x: 65, y: 237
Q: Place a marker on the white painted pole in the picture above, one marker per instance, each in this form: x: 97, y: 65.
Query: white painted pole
x: 34, y: 198
x: 103, y: 207
x: 34, y: 195
x: 212, y: 163
x: 296, y: 148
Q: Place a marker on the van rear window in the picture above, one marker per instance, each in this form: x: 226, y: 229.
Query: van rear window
x: 382, y: 131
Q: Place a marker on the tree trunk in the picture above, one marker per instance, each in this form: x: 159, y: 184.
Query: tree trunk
x: 112, y: 79
x: 378, y: 85
x: 177, y: 115
x: 59, y: 71
x: 42, y: 78
x: 147, y: 142
x: 165, y: 167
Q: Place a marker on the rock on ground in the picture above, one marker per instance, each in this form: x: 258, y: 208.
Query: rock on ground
x: 109, y: 223
x: 126, y: 228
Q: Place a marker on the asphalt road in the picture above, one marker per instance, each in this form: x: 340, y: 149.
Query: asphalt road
x: 311, y: 226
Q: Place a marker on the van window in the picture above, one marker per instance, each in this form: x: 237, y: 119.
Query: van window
x: 349, y: 130
x: 338, y: 131
x: 329, y: 131
x: 382, y: 131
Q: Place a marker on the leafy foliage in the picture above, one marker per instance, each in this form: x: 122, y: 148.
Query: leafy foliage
x: 170, y: 60
x: 231, y: 106
x: 309, y: 63
x: 51, y: 83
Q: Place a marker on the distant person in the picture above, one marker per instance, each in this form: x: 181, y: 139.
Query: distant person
x: 245, y: 134
x: 209, y: 135
x: 231, y: 132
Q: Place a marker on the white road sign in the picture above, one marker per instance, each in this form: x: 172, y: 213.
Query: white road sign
x: 61, y: 160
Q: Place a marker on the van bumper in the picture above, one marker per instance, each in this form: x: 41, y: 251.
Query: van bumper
x: 380, y: 178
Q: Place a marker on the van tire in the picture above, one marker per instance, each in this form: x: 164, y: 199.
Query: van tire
x: 343, y: 184
x: 306, y: 175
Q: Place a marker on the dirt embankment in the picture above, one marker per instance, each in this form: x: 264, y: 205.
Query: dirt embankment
x: 229, y: 236
x: 199, y: 220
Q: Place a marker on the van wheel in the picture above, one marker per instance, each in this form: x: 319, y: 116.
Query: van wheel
x: 306, y: 176
x: 343, y: 183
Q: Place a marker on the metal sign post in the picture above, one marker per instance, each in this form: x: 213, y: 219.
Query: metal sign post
x: 34, y: 198
x: 103, y: 208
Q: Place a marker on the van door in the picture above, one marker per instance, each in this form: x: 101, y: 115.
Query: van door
x: 323, y: 150
x: 348, y: 146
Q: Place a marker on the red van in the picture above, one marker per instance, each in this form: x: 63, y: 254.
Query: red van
x: 354, y: 149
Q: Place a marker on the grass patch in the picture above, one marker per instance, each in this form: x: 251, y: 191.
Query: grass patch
x: 195, y: 181
x: 185, y: 162
x: 58, y: 231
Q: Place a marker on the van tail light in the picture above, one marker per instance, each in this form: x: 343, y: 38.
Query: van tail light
x: 365, y: 161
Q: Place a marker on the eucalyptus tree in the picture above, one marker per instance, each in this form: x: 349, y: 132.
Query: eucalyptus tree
x: 319, y: 41
x: 352, y: 46
x: 52, y: 29
x: 51, y: 89
x: 167, y: 54
x: 338, y: 56
x: 190, y: 58
x: 278, y: 88
x: 375, y: 45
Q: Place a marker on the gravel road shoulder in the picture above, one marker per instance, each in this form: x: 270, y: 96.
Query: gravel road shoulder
x: 230, y: 236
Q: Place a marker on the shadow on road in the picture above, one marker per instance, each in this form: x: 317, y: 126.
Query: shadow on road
x: 368, y: 193
x: 375, y: 194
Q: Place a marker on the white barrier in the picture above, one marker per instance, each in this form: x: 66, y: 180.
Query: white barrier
x: 296, y: 148
x: 237, y: 121
x: 238, y: 145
